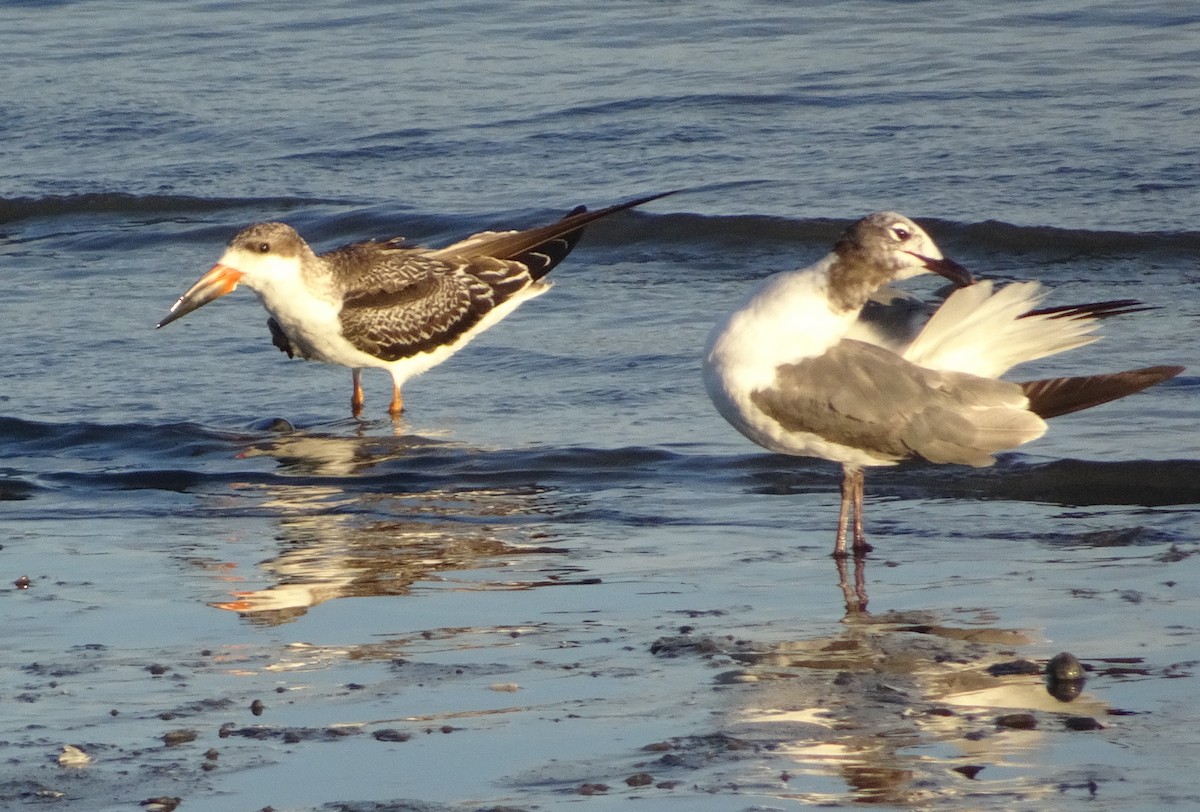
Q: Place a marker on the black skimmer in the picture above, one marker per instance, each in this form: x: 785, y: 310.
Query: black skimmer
x: 388, y: 303
x: 803, y: 366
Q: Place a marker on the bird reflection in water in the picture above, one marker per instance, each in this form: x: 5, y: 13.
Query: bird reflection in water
x: 856, y: 595
x: 903, y: 709
x: 302, y: 453
x: 363, y: 519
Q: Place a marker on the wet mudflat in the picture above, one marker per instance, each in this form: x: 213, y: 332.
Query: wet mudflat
x: 481, y: 648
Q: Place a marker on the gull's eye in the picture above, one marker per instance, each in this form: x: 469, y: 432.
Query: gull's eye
x: 264, y: 248
x: 901, y: 233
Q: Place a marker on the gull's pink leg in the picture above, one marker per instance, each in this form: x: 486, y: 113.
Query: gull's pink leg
x: 356, y: 398
x: 839, y: 544
x: 860, y: 538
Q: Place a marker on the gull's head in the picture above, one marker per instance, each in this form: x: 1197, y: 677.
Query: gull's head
x: 886, y: 247
x: 260, y: 257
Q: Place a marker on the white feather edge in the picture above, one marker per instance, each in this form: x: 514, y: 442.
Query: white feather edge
x: 981, y: 331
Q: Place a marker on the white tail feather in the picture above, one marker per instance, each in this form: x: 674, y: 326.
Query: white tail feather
x: 983, y: 333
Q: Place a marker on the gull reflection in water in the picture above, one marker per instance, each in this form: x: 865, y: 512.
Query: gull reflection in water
x: 903, y: 710
x: 350, y: 526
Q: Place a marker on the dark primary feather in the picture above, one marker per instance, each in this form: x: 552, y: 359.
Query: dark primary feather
x: 1095, y: 310
x: 515, y: 245
x: 545, y: 256
x: 1052, y: 397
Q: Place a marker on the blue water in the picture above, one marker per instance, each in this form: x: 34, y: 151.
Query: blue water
x: 561, y: 494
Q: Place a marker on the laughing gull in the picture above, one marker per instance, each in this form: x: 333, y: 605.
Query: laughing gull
x: 387, y: 304
x: 803, y: 366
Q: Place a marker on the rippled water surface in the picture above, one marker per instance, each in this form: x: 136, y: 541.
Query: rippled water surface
x: 562, y: 579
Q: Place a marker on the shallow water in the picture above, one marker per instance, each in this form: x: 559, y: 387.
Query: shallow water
x: 562, y: 556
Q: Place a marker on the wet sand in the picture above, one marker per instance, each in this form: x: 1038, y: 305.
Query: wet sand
x: 672, y: 666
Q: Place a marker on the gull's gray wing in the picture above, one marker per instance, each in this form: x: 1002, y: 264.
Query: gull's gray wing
x: 867, y: 397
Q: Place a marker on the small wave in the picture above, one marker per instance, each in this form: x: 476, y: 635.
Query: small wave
x: 14, y: 489
x: 985, y: 237
x: 1003, y: 237
x: 1073, y: 482
x: 20, y: 437
x: 187, y: 457
x: 23, y: 208
x: 681, y: 227
x: 1066, y: 482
